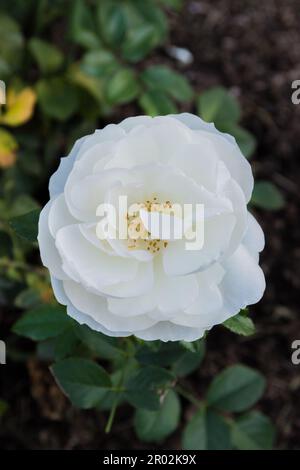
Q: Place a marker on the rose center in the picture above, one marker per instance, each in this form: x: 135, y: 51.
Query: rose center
x: 139, y: 238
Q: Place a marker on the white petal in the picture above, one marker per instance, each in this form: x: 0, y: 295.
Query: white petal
x: 209, y: 300
x: 86, y: 194
x: 162, y: 226
x: 105, y: 137
x: 154, y: 142
x: 198, y: 161
x: 254, y: 239
x: 129, y: 123
x: 175, y: 293
x: 58, y: 290
x: 92, y: 160
x: 232, y: 191
x: 227, y: 149
x: 141, y: 284
x: 205, y: 320
x: 84, y: 319
x: 243, y: 284
x: 96, y: 307
x: 137, y: 149
x: 112, y: 132
x: 93, y: 267
x: 89, y: 232
x: 132, y: 306
x: 49, y: 255
x: 120, y: 248
x: 212, y: 275
x: 175, y: 191
x: 169, y: 135
x: 196, y: 123
x: 59, y: 215
x: 244, y: 281
x: 178, y: 260
x: 59, y: 178
x: 167, y: 331
x: 237, y: 164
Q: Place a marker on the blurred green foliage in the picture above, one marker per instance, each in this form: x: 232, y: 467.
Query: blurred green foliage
x: 69, y: 67
x: 3, y: 407
x: 219, y: 106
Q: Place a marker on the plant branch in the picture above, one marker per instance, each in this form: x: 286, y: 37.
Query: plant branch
x: 119, y: 389
x: 188, y: 396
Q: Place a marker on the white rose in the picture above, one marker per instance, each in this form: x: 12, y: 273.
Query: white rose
x: 171, y: 294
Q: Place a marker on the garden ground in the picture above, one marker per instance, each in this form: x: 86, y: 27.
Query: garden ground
x: 251, y: 47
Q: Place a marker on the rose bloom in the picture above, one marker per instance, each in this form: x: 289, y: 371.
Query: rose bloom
x: 123, y: 287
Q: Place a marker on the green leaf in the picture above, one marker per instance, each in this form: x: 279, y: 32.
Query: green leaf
x: 22, y: 205
x: 11, y: 44
x: 8, y: 148
x: 82, y: 380
x: 45, y: 350
x: 176, y: 4
x: 91, y: 84
x: 253, y: 431
x: 104, y: 346
x: 65, y: 344
x: 142, y: 388
x: 192, y: 346
x: 189, y: 361
x: 245, y: 140
x: 99, y: 63
x: 57, y: 98
x: 26, y: 226
x: 88, y: 39
x: 3, y: 407
x: 162, y: 78
x: 174, y: 354
x: 5, y: 69
x: 111, y: 20
x: 267, y: 196
x: 43, y: 322
x: 240, y: 324
x: 150, y: 377
x: 123, y: 87
x: 164, y: 355
x: 28, y: 298
x: 147, y: 12
x: 6, y: 247
x: 207, y: 430
x: 82, y: 26
x: 139, y: 43
x: 48, y: 57
x: 154, y: 426
x: 157, y: 103
x: 118, y: 377
x: 217, y: 105
x: 195, y: 434
x: 236, y: 388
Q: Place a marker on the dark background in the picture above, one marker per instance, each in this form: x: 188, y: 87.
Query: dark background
x: 253, y: 48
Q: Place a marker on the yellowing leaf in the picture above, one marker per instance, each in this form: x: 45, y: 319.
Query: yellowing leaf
x: 2, y: 92
x: 47, y: 296
x: 8, y: 148
x: 19, y: 107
